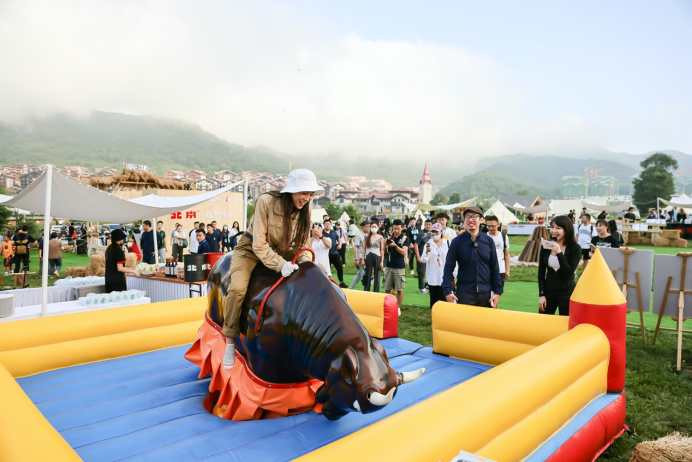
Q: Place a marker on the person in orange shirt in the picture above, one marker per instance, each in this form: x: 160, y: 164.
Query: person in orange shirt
x: 7, y: 254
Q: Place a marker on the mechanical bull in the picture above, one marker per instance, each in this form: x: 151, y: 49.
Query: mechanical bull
x: 308, y: 336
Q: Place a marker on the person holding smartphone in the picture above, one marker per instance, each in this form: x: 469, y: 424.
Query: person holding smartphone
x: 434, y: 257
x: 321, y: 245
x: 557, y: 266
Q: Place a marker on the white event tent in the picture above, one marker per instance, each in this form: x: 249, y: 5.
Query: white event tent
x: 541, y: 208
x: 619, y: 207
x: 502, y: 213
x: 57, y: 195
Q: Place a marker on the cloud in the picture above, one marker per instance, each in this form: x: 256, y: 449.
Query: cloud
x: 256, y: 73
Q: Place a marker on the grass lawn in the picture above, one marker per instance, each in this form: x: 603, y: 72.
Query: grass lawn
x: 68, y: 260
x: 659, y: 399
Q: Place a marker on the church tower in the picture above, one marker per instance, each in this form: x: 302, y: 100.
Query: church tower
x: 425, y: 188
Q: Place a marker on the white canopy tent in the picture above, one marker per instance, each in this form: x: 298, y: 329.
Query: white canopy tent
x: 449, y: 207
x: 682, y: 200
x: 317, y: 214
x: 344, y: 219
x: 619, y: 207
x: 562, y: 207
x: 541, y: 208
x: 502, y: 213
x: 54, y: 194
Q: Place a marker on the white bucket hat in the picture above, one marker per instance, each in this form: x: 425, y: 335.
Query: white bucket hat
x: 301, y: 180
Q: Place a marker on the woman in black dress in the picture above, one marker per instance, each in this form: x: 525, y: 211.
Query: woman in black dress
x: 557, y: 267
x: 115, y: 264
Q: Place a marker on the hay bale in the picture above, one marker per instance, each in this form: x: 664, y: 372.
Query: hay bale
x: 670, y: 233
x: 130, y: 260
x: 679, y: 243
x: 76, y: 271
x: 20, y: 280
x: 671, y: 448
x: 97, y: 261
x: 662, y: 242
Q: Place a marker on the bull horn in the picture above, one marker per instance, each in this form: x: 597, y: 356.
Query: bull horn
x: 408, y: 377
x: 378, y: 399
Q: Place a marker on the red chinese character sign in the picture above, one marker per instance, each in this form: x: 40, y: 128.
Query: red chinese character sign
x: 224, y: 209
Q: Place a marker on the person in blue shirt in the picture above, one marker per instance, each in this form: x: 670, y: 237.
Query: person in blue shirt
x: 478, y: 273
x: 334, y: 251
x: 147, y: 241
x: 203, y: 245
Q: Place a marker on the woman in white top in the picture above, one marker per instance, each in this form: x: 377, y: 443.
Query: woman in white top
x: 435, y: 256
x: 374, y: 249
x: 234, y: 234
x: 321, y: 245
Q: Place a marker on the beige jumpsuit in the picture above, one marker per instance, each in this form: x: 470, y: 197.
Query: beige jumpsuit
x: 266, y: 229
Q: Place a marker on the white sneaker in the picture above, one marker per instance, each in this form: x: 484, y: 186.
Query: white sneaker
x: 399, y: 311
x: 412, y: 272
x: 6, y: 273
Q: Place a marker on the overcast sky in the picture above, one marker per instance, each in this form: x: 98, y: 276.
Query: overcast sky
x: 402, y: 78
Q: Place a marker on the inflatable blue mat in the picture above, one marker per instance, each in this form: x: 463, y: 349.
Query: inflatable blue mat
x: 148, y: 407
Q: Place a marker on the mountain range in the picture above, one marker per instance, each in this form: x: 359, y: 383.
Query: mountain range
x: 105, y: 139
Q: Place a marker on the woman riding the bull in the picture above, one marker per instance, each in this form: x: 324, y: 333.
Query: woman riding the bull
x: 278, y: 229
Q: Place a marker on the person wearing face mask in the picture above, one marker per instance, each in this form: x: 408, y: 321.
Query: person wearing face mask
x: 434, y: 257
x: 321, y: 244
x: 359, y: 252
x: 225, y: 239
x: 374, y: 250
x: 418, y: 247
x: 447, y: 233
x: 557, y: 265
x: 278, y: 229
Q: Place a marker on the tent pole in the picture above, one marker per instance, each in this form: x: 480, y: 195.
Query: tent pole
x: 46, y: 237
x: 658, y: 207
x: 245, y: 205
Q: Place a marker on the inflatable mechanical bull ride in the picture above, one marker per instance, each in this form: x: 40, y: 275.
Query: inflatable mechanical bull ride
x: 308, y: 352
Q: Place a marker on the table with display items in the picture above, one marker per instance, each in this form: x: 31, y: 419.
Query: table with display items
x: 164, y: 289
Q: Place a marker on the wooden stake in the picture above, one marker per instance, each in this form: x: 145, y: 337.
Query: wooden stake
x: 663, y: 306
x: 627, y: 251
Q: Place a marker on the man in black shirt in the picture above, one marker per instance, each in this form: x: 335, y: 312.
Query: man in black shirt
x: 212, y: 239
x: 630, y: 214
x: 421, y: 241
x: 22, y: 241
x: 604, y: 238
x: 395, y: 266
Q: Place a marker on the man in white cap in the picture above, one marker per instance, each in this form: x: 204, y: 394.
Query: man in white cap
x: 278, y: 229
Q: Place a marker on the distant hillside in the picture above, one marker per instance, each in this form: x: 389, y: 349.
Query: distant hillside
x: 107, y: 139
x: 547, y: 171
x: 490, y: 185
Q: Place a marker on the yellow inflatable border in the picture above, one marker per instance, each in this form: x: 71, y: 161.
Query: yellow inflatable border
x: 546, y: 375
x: 490, y: 336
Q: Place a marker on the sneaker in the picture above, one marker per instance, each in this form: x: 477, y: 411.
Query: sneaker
x: 412, y: 273
x: 343, y: 286
x: 399, y: 311
x: 423, y: 291
x: 6, y: 273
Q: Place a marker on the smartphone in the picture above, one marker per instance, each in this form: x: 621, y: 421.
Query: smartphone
x: 593, y: 247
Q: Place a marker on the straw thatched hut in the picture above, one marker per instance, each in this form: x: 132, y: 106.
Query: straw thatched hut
x: 132, y: 179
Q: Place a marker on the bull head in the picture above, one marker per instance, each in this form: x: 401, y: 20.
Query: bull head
x: 362, y: 383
